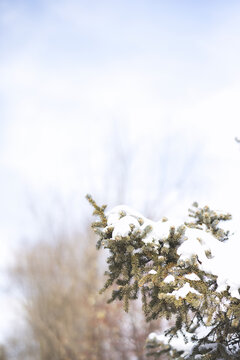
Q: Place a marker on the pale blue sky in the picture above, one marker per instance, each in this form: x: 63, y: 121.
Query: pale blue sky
x: 71, y: 69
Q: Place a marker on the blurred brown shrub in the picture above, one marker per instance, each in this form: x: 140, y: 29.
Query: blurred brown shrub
x: 66, y: 317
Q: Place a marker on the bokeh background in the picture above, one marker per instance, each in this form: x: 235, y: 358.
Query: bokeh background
x: 135, y: 102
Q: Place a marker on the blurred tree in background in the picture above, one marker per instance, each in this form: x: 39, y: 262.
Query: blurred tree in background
x: 66, y: 318
x: 59, y: 276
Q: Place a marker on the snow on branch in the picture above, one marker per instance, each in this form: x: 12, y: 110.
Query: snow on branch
x: 188, y: 273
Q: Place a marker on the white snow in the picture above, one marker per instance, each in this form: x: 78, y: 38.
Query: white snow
x: 183, y: 291
x: 192, y: 277
x: 121, y: 216
x: 122, y: 226
x: 215, y: 257
x: 177, y: 343
x: 169, y: 279
x: 152, y: 272
x: 224, y: 261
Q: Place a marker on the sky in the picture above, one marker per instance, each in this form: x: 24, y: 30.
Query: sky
x: 131, y: 101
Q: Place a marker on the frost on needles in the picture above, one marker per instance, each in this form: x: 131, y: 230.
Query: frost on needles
x: 187, y: 274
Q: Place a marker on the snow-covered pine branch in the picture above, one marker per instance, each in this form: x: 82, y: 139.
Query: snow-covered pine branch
x: 187, y: 273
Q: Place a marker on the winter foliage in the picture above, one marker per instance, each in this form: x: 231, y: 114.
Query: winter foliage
x: 187, y: 274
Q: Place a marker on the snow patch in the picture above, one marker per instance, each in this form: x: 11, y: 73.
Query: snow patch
x: 210, y: 253
x: 183, y: 291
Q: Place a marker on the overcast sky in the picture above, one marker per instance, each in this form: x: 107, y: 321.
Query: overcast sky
x: 80, y: 80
